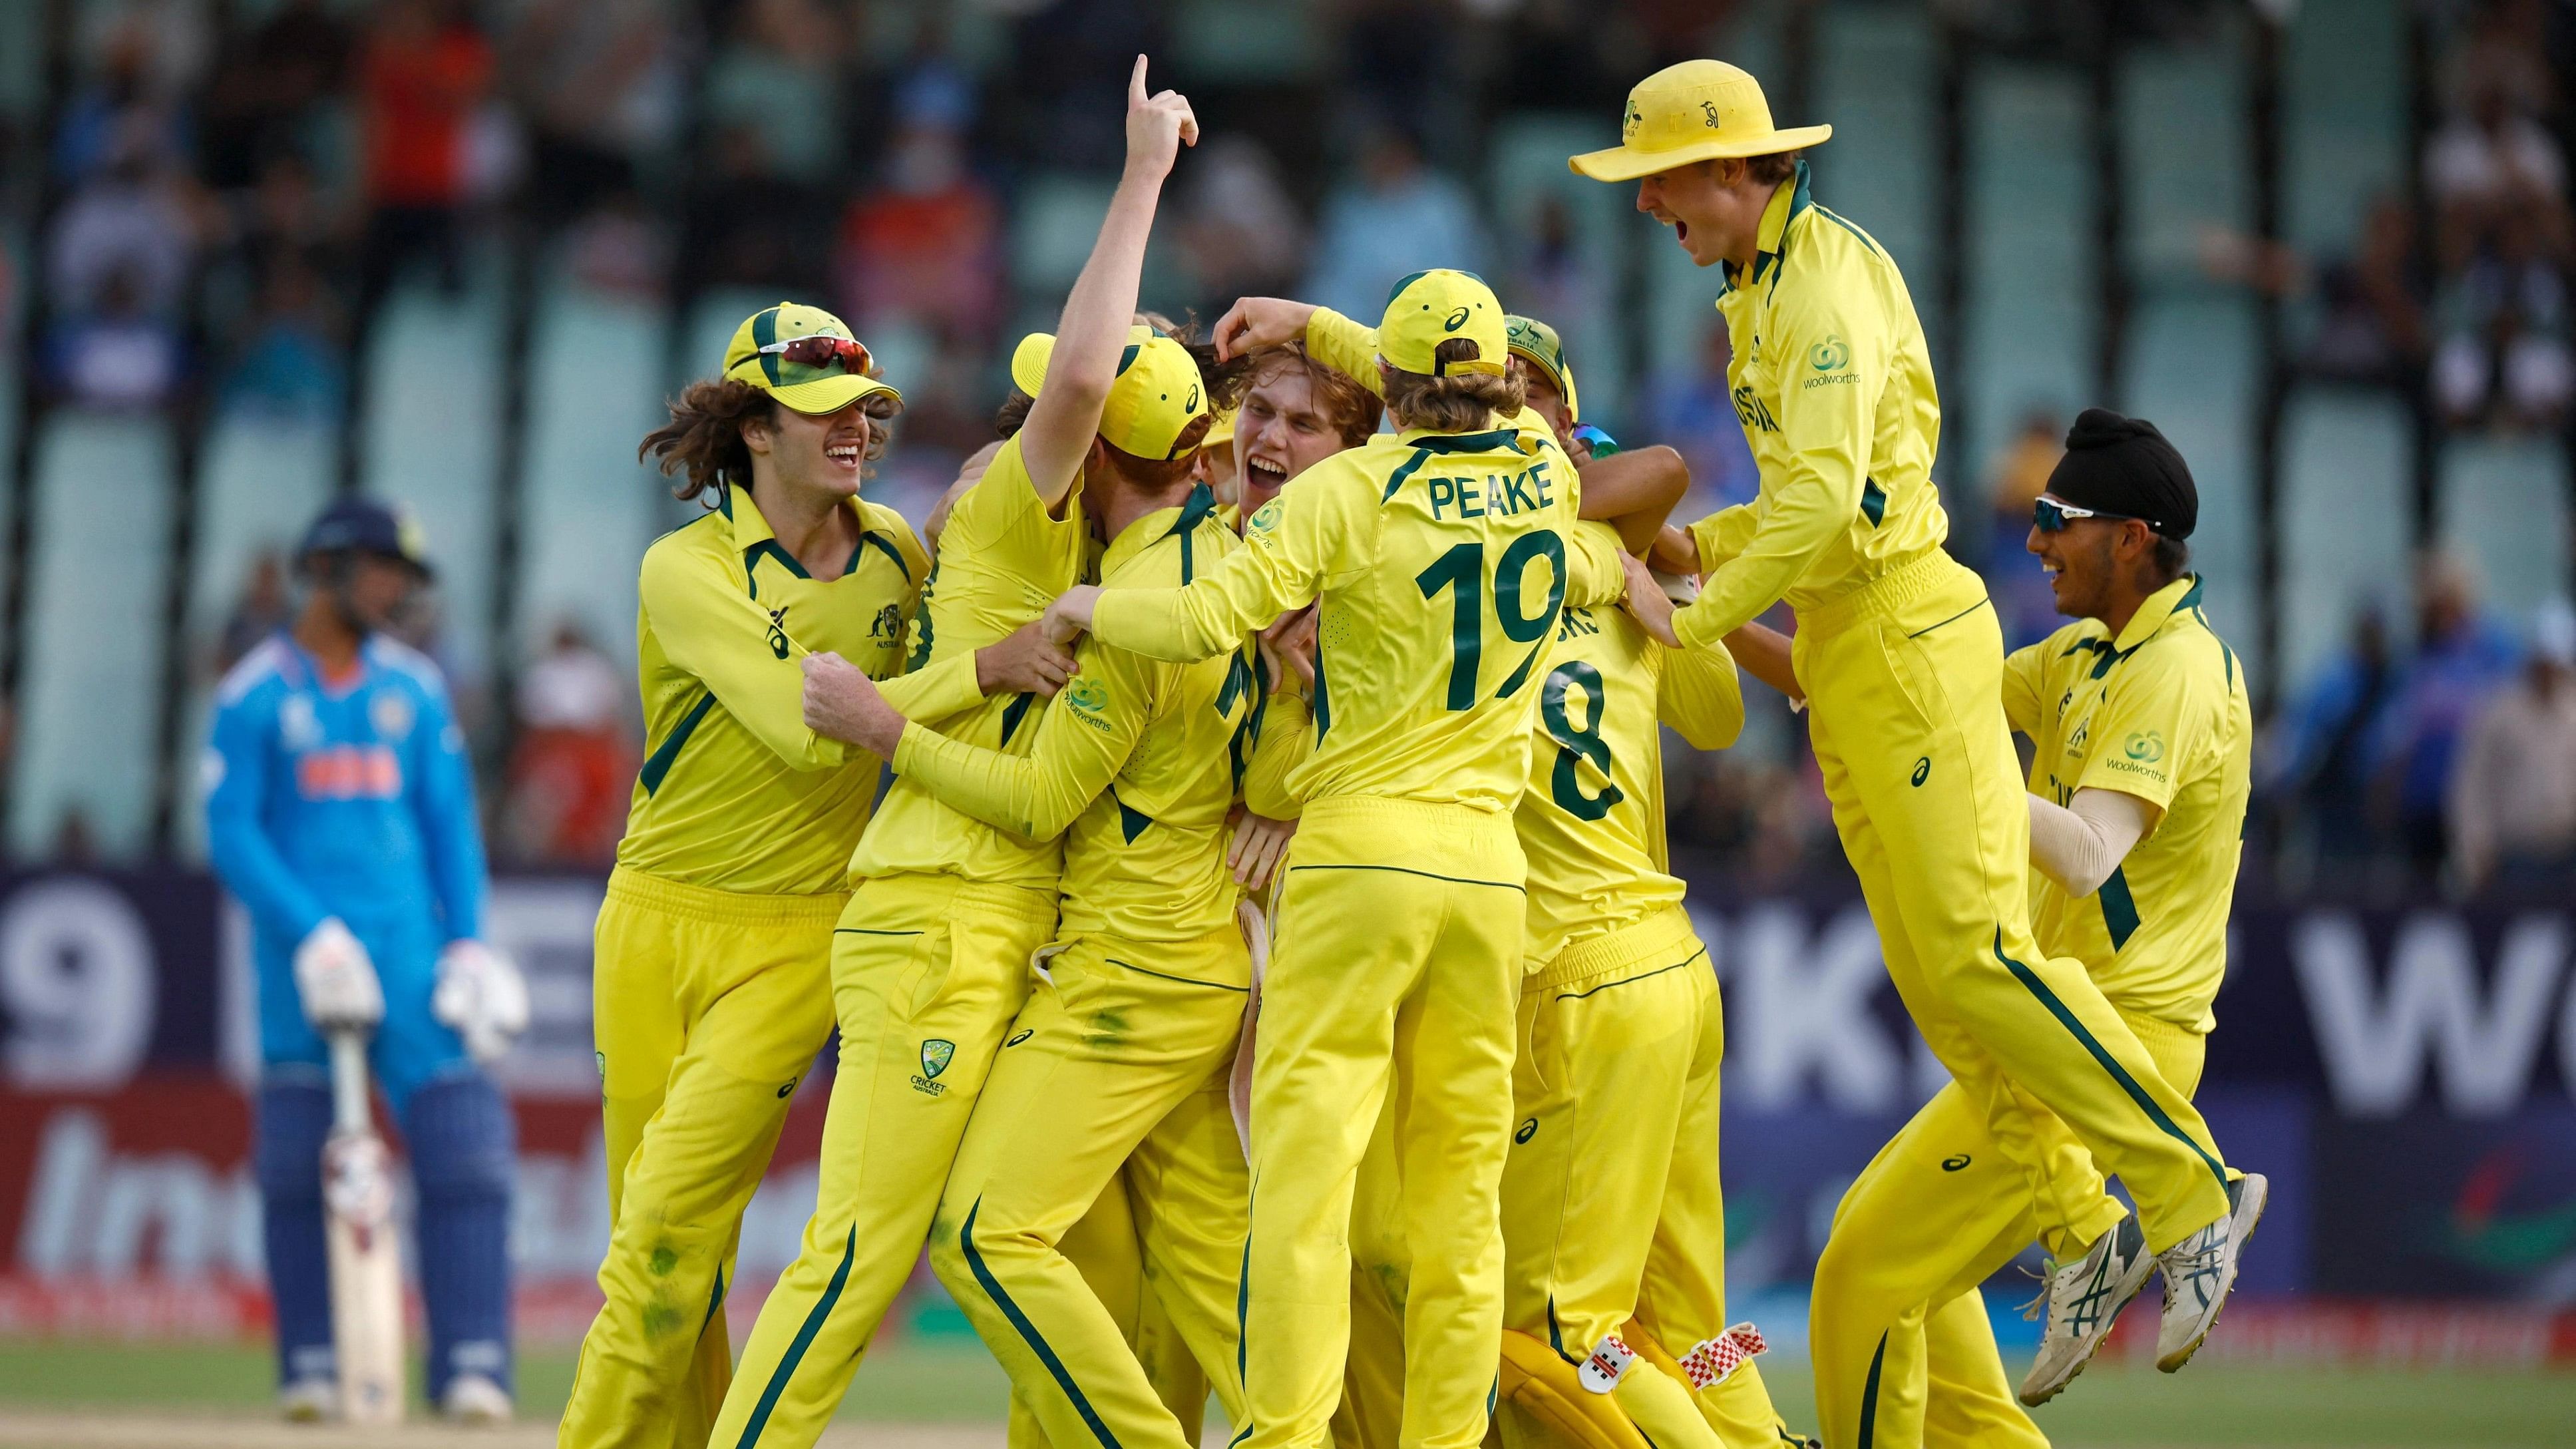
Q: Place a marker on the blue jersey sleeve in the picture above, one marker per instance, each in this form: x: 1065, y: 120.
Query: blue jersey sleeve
x: 442, y: 798
x: 237, y: 781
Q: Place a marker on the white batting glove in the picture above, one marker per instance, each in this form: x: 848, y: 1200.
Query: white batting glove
x: 336, y: 980
x: 480, y: 996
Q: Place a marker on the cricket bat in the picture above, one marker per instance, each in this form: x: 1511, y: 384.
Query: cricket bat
x: 366, y: 1261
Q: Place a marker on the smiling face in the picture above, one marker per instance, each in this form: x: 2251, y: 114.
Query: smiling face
x: 1713, y: 207
x: 2083, y: 564
x: 817, y: 454
x: 1281, y: 432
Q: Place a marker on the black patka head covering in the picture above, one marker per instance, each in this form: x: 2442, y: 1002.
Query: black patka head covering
x: 2122, y: 465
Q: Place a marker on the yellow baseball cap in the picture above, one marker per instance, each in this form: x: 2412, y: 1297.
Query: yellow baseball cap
x: 1427, y: 309
x: 770, y: 351
x: 1220, y: 427
x: 1536, y: 343
x: 1154, y: 400
x: 1694, y: 111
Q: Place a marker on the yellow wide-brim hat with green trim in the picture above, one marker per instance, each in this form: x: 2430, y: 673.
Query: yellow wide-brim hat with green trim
x: 1536, y: 344
x: 1156, y: 396
x: 752, y: 357
x: 1696, y: 111
x: 1429, y: 308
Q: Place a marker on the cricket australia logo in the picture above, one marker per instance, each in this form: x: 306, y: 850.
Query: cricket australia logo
x: 1628, y: 127
x: 778, y: 631
x: 887, y: 624
x: 936, y: 1054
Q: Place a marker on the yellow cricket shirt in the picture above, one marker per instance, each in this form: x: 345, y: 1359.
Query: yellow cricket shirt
x: 1002, y: 560
x: 1592, y: 821
x: 1442, y: 560
x: 2160, y: 713
x: 1139, y: 756
x: 1833, y: 384
x: 736, y: 794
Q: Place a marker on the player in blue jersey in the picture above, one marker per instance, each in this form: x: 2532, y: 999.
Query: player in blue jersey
x: 340, y: 810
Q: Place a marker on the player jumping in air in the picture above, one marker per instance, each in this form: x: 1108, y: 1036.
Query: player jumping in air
x: 1901, y: 657
x: 2137, y: 799
x: 340, y: 811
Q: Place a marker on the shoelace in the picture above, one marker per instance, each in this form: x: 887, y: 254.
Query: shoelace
x: 2047, y: 1277
x: 2194, y: 1263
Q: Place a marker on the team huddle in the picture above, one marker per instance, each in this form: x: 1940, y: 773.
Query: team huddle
x: 1263, y: 976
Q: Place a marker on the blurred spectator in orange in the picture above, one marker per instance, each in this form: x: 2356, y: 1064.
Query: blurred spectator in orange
x: 262, y: 610
x: 924, y: 246
x: 425, y: 71
x: 575, y: 758
x: 2462, y: 655
x: 2513, y: 803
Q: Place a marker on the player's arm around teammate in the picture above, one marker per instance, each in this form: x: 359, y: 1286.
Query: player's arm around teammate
x: 1902, y: 657
x: 340, y: 810
x: 1400, y: 923
x: 930, y: 958
x: 1145, y: 989
x: 711, y: 951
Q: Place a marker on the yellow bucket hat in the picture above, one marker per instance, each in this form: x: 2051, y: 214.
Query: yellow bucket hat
x: 1155, y: 398
x: 1695, y: 111
x: 1427, y: 309
x: 803, y: 356
x: 1536, y: 343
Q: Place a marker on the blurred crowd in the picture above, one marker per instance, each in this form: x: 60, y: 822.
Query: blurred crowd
x: 231, y: 206
x: 2457, y: 293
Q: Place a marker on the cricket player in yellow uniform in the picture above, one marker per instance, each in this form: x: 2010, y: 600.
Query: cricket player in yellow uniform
x: 930, y: 960
x: 1634, y: 493
x: 1901, y: 657
x: 1442, y: 555
x: 1146, y: 979
x: 711, y: 960
x: 2138, y: 790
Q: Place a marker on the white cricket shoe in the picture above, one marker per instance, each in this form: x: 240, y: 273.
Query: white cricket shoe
x: 309, y: 1401
x: 2083, y: 1297
x: 474, y: 1399
x: 2200, y: 1271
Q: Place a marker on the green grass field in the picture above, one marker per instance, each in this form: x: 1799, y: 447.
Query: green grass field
x: 946, y: 1382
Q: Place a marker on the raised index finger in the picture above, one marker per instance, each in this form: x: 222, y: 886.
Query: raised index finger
x: 1136, y: 84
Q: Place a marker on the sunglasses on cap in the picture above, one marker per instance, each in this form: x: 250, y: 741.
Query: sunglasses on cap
x: 819, y: 353
x: 2050, y: 516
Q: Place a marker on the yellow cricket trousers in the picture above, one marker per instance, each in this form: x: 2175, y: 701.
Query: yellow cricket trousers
x: 1907, y: 722
x: 1371, y: 1413
x: 1936, y: 1213
x: 1105, y: 1246
x: 1613, y: 1175
x: 707, y: 1008
x: 1123, y: 1035
x: 927, y: 974
x: 1399, y: 940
